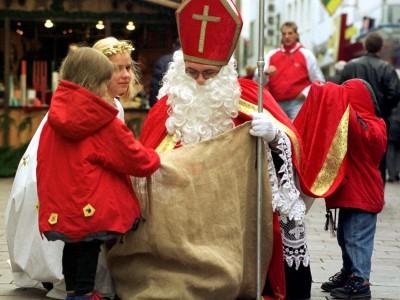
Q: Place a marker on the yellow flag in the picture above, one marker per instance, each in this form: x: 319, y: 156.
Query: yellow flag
x: 331, y: 5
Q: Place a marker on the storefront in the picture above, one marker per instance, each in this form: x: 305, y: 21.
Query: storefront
x: 36, y: 36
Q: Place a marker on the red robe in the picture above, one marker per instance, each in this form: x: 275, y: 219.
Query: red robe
x: 84, y: 156
x: 344, y: 142
x: 154, y: 131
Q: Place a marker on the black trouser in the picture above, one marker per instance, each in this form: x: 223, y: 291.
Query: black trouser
x: 298, y: 283
x: 79, y: 264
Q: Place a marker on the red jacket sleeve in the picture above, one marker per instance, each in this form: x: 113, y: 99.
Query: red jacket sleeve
x: 123, y: 153
x: 367, y: 137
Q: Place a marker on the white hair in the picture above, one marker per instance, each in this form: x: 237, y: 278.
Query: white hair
x: 199, y: 112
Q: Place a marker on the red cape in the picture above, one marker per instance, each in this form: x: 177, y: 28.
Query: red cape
x: 153, y: 133
x: 334, y: 121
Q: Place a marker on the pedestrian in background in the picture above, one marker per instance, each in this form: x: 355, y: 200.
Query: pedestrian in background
x: 290, y: 70
x: 160, y: 69
x: 393, y: 152
x: 250, y: 72
x: 380, y: 75
x: 338, y: 67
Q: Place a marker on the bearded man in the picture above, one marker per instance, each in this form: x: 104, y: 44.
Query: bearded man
x: 179, y: 252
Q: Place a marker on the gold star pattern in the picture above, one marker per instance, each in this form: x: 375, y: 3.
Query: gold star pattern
x: 53, y: 218
x: 88, y: 210
x: 25, y: 160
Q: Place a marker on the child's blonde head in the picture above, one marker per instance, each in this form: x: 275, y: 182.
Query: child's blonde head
x: 88, y: 68
x: 111, y: 46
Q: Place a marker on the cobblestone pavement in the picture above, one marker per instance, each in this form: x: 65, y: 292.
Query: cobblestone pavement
x: 325, y: 255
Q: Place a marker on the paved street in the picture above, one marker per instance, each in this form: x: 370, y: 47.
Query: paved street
x: 325, y: 257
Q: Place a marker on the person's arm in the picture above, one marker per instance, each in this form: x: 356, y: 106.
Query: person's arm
x: 367, y: 133
x: 268, y: 68
x: 391, y: 84
x: 121, y: 112
x: 314, y: 72
x: 117, y: 149
x: 346, y: 73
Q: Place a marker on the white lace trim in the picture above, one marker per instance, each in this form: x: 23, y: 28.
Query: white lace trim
x: 295, y: 248
x: 286, y: 198
x: 287, y: 201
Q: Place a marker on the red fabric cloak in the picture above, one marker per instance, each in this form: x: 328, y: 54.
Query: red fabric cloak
x: 344, y: 142
x: 154, y: 131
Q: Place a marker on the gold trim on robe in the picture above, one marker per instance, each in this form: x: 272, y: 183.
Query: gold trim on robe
x: 334, y: 158
x: 248, y: 108
x: 169, y: 142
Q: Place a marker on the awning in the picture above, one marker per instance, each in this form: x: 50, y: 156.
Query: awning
x: 167, y: 3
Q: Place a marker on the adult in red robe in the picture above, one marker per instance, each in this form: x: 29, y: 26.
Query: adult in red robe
x: 154, y: 134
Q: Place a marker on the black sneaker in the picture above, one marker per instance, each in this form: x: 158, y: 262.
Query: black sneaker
x: 336, y: 281
x: 355, y: 288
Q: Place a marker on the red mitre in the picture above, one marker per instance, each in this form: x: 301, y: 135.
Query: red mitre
x: 208, y: 30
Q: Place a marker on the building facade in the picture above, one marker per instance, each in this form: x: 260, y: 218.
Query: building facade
x: 332, y: 29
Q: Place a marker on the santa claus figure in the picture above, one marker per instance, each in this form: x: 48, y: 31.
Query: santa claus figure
x: 197, y: 240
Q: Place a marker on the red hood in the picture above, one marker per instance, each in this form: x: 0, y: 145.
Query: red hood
x: 361, y: 97
x: 77, y: 113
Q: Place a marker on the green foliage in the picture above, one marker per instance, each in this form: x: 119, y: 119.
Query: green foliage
x: 9, y: 159
x: 9, y: 156
x: 5, y: 123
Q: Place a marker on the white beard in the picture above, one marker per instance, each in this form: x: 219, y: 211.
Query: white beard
x: 199, y: 112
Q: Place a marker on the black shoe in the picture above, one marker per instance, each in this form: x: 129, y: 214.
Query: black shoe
x: 47, y: 285
x: 336, y: 281
x: 355, y: 288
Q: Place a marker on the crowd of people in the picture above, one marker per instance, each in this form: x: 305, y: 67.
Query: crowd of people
x: 171, y: 214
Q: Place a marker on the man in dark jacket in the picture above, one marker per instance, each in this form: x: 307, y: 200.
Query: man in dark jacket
x: 380, y: 75
x: 393, y: 151
x: 159, y: 71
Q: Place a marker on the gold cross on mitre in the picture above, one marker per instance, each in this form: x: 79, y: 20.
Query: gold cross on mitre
x: 204, y: 18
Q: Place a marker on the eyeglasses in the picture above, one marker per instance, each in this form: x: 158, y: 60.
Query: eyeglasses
x: 206, y: 74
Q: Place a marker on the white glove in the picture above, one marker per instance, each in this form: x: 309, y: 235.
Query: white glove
x: 262, y: 126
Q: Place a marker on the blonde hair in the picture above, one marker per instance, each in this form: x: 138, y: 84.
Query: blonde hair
x: 110, y: 46
x: 88, y: 68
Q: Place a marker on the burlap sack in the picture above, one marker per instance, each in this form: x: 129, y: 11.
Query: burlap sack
x: 199, y: 237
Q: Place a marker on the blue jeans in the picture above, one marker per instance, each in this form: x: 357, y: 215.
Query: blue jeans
x: 291, y: 107
x: 355, y: 235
